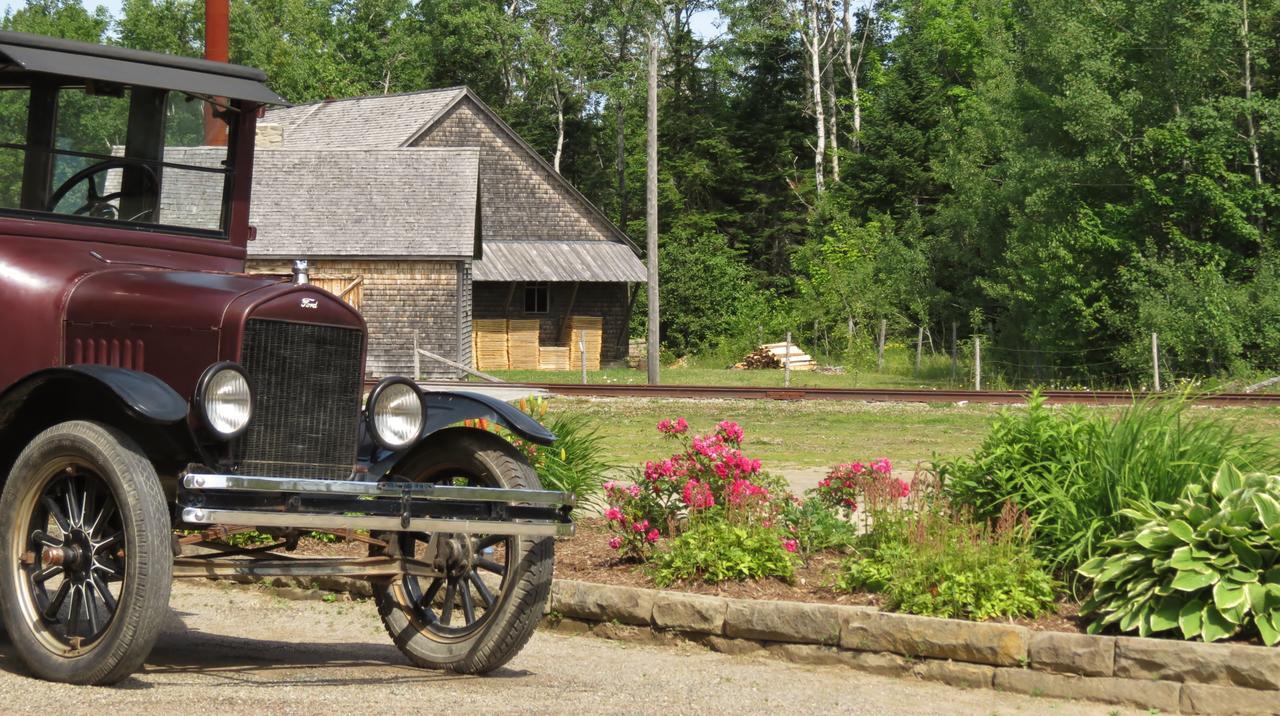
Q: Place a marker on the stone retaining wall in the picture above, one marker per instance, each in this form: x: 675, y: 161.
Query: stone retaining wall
x: 1172, y: 676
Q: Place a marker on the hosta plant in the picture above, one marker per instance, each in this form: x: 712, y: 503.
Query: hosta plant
x: 1206, y: 566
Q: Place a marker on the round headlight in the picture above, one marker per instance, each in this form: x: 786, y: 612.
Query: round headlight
x: 225, y: 400
x: 395, y: 413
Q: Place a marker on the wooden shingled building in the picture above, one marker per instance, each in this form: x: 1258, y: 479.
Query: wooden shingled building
x: 443, y: 226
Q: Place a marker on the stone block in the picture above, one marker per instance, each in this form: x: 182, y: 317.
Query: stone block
x: 1253, y: 667
x: 732, y: 647
x: 1205, y: 699
x: 1162, y: 695
x: 956, y: 673
x: 689, y: 613
x: 975, y: 642
x: 602, y: 603
x: 783, y: 621
x: 1072, y: 653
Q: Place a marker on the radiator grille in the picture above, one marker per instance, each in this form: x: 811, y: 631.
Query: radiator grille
x: 307, y: 384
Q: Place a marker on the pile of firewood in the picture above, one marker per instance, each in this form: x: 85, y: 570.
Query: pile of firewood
x: 760, y: 359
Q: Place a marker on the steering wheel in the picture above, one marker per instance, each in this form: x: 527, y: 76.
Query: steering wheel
x: 98, y: 205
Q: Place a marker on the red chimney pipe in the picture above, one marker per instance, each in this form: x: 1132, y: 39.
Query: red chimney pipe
x: 216, y: 31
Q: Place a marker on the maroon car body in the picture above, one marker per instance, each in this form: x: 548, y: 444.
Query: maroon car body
x: 148, y: 384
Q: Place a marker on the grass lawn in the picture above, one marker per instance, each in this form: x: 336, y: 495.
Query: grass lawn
x: 935, y: 372
x: 818, y: 434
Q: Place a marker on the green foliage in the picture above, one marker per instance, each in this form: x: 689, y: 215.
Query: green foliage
x: 1073, y: 472
x: 817, y: 527
x: 578, y: 460
x: 934, y: 562
x: 715, y: 550
x: 1205, y: 566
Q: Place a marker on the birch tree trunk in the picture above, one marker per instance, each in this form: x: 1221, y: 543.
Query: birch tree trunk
x: 559, y: 98
x: 1255, y: 155
x: 833, y: 107
x: 813, y: 47
x: 853, y: 69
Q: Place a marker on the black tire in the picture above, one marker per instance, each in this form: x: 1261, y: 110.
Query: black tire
x: 122, y: 526
x: 504, y: 628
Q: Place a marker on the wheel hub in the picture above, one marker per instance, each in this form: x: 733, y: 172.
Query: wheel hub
x: 457, y: 555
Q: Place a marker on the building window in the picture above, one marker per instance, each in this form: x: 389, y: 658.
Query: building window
x: 537, y: 297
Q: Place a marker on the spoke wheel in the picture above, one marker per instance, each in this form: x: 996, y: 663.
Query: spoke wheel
x: 74, y: 564
x: 460, y: 603
x: 85, y: 559
x: 484, y: 608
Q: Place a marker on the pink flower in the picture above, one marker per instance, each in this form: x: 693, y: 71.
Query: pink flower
x: 640, y: 526
x: 608, y: 486
x: 790, y: 545
x: 677, y: 427
x: 613, y: 514
x: 616, y: 542
x: 634, y: 490
x: 881, y: 466
x: 731, y: 431
x: 652, y: 536
x: 697, y: 495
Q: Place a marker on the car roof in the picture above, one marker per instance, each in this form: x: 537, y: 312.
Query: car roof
x: 49, y: 55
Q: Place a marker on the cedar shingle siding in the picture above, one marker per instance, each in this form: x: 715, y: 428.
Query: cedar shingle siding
x: 520, y: 199
x: 399, y: 298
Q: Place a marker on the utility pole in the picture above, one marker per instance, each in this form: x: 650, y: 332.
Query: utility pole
x: 651, y: 212
x: 216, y: 43
x: 1155, y: 360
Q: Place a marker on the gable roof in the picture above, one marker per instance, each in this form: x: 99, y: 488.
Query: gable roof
x: 380, y: 122
x: 400, y: 120
x: 314, y: 203
x: 603, y: 261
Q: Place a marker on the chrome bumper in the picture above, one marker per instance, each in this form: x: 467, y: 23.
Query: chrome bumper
x: 251, y: 501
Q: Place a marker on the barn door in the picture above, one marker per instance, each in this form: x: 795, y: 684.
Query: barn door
x: 348, y: 288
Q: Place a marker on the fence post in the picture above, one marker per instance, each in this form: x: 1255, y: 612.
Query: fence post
x: 919, y: 348
x: 955, y: 365
x: 582, y: 353
x: 977, y: 363
x: 786, y: 364
x: 880, y: 346
x: 849, y: 343
x: 1155, y: 359
x: 417, y: 359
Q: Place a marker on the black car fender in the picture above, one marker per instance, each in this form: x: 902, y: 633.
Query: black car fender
x: 444, y: 411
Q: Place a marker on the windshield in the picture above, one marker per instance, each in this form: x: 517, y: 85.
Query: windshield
x: 113, y: 154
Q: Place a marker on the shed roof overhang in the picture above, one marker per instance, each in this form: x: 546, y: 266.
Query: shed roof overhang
x: 557, y: 261
x: 36, y: 53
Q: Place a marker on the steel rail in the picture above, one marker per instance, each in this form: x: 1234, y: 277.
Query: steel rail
x: 921, y: 395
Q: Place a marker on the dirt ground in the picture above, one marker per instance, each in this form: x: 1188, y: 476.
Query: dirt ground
x: 230, y: 650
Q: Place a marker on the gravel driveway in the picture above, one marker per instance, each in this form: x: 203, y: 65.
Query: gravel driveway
x: 234, y: 651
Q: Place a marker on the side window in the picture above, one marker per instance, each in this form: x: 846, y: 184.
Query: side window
x: 13, y: 137
x: 116, y: 154
x: 537, y: 298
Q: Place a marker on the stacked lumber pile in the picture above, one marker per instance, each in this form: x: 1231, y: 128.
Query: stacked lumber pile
x: 776, y: 356
x: 760, y: 359
x: 553, y: 358
x: 590, y: 330
x: 795, y: 357
x: 489, y: 344
x: 522, y: 344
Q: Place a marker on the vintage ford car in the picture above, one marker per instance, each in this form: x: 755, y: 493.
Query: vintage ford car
x: 154, y: 399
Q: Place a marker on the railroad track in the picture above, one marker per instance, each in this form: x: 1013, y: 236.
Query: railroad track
x: 1092, y: 397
